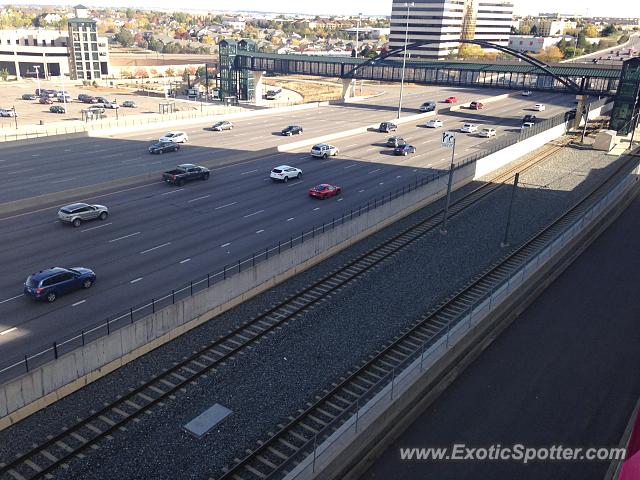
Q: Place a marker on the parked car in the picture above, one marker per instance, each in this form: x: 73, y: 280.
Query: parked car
x: 53, y: 282
x: 469, y: 128
x: 529, y: 118
x: 539, y: 107
x: 476, y: 106
x: 526, y: 93
x: 82, y: 96
x: 45, y: 100
x: 291, y: 130
x: 29, y: 96
x: 324, y: 150
x: 220, y: 126
x: 163, y: 147
x: 404, y: 150
x: 57, y: 109
x: 129, y: 104
x: 76, y: 213
x: 386, y: 127
x: 488, y: 132
x: 429, y: 106
x: 451, y: 99
x: 285, y: 172
x: 395, y: 142
x: 89, y: 99
x: 43, y: 92
x: 176, y: 137
x: 111, y: 105
x: 324, y: 190
x: 8, y: 112
x: 434, y: 123
x: 185, y: 173
x: 64, y: 98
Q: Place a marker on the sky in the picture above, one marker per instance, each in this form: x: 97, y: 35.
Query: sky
x: 615, y: 8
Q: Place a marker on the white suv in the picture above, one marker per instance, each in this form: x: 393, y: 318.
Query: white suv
x: 469, y: 128
x: 488, y: 132
x: 435, y: 123
x: 285, y: 172
x: 324, y: 150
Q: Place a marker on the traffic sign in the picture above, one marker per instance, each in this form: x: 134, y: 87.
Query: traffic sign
x: 448, y: 139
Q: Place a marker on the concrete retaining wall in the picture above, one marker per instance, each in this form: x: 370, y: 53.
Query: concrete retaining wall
x: 44, y: 385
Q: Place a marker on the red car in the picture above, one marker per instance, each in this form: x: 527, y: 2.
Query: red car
x: 476, y: 106
x: 451, y: 100
x: 324, y: 190
x: 45, y: 100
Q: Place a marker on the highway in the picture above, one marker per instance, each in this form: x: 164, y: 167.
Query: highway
x: 61, y: 164
x: 159, y: 237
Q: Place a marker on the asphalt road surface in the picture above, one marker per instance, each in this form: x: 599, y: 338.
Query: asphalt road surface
x: 564, y: 373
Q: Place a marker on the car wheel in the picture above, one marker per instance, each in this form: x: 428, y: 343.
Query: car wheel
x: 177, y: 147
x: 103, y: 216
x: 205, y: 176
x: 160, y: 152
x: 404, y: 153
x: 285, y: 179
x: 324, y: 155
x: 181, y: 183
x: 51, y: 297
x: 76, y: 222
x: 87, y: 283
x: 299, y: 175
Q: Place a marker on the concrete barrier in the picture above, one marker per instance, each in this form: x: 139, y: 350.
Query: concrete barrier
x: 48, y: 383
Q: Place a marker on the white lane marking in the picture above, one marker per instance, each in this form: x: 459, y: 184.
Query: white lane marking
x: 136, y: 280
x: 12, y: 329
x: 99, y: 226
x: 225, y: 206
x: 340, y: 199
x: 155, y: 163
x: 225, y: 245
x: 198, y: 198
x: 9, y: 299
x: 63, y: 180
x: 317, y: 208
x: 68, y: 150
x: 172, y: 191
x: 111, y: 156
x: 289, y: 219
x: 398, y: 176
x: 122, y: 238
x: 254, y: 213
x: 352, y: 165
x: 250, y: 171
x: 35, y: 155
x: 373, y: 171
x: 185, y: 260
x: 20, y: 171
x: 381, y: 183
x: 155, y: 248
x: 44, y: 176
x: 260, y: 231
x: 352, y: 145
x: 294, y: 183
x: 360, y: 191
x: 99, y: 151
x: 78, y: 303
x: 371, y: 149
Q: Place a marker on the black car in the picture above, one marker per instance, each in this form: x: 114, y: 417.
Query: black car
x: 529, y: 118
x: 57, y: 109
x: 291, y: 130
x: 395, y: 142
x: 29, y: 96
x: 386, y: 127
x: 404, y: 150
x: 163, y: 147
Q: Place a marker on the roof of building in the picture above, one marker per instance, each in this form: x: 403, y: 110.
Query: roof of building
x: 81, y: 20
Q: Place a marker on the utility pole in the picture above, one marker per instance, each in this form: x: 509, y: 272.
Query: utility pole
x: 505, y: 241
x: 448, y: 139
x: 586, y: 121
x: 404, y: 57
x: 37, y: 69
x: 355, y: 82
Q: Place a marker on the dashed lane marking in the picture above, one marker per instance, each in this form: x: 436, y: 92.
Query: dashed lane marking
x: 122, y: 238
x: 154, y: 248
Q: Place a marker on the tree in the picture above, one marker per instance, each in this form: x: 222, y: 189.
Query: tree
x: 124, y: 37
x: 4, y: 74
x: 608, y: 30
x: 170, y: 72
x: 141, y: 73
x: 590, y: 31
x: 550, y: 54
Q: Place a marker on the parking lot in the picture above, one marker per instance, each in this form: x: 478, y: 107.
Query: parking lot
x: 32, y: 112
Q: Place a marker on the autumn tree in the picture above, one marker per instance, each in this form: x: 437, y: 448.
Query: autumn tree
x: 550, y: 54
x: 590, y: 31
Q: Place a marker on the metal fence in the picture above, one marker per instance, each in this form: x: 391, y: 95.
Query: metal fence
x: 400, y: 379
x: 12, y: 367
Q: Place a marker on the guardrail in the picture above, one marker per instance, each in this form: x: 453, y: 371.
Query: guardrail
x: 13, y: 367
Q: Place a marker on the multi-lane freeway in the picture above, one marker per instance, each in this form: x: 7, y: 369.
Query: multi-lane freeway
x: 158, y: 237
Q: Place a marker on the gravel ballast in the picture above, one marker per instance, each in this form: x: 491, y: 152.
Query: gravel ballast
x: 275, y: 378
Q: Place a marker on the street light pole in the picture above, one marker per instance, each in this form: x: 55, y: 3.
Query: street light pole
x: 355, y: 82
x: 37, y: 69
x: 404, y: 57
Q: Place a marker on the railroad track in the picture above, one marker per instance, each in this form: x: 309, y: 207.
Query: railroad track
x: 61, y: 449
x: 282, y: 451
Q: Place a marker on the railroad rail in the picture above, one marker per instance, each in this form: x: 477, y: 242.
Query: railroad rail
x: 61, y: 449
x: 278, y: 455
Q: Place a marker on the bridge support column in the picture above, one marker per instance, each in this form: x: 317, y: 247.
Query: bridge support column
x: 258, y: 89
x: 347, y: 89
x: 580, y: 108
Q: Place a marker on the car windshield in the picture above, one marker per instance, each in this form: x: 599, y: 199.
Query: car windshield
x: 320, y: 188
x: 74, y: 271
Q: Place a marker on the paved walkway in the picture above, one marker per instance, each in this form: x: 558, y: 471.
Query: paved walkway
x: 565, y: 372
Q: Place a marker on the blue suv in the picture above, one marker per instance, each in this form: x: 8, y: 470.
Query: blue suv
x: 53, y: 282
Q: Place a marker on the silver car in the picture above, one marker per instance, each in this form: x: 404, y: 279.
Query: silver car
x: 76, y: 213
x: 324, y: 150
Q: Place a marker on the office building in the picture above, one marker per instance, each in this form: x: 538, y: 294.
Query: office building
x: 446, y: 22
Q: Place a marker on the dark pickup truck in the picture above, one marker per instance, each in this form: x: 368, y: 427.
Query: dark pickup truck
x: 185, y: 173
